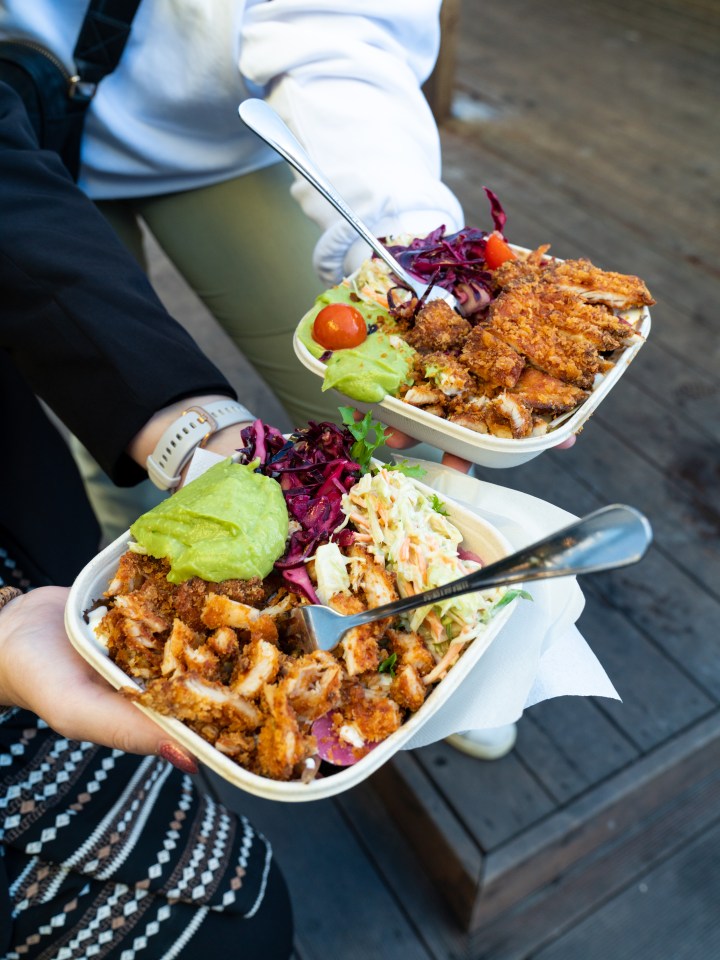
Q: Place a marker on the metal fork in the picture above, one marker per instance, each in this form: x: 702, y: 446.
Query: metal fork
x: 614, y: 536
x: 263, y: 121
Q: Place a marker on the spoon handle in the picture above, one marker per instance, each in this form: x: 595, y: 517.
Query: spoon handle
x: 263, y: 121
x: 614, y: 536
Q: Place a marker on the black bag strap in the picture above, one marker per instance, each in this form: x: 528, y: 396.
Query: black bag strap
x: 102, y: 38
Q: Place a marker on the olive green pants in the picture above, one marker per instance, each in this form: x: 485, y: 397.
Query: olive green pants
x: 245, y: 248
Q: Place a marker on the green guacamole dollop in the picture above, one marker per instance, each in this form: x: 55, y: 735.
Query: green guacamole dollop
x: 228, y: 523
x: 370, y: 371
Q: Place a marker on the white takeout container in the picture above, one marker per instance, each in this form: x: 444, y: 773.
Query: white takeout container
x: 479, y: 536
x: 481, y: 448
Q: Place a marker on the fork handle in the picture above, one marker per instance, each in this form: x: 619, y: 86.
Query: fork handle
x: 266, y: 123
x: 614, y: 536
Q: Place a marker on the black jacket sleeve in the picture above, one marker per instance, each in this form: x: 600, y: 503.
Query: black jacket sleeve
x: 78, y: 317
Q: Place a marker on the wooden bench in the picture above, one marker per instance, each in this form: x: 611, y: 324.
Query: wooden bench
x: 440, y: 84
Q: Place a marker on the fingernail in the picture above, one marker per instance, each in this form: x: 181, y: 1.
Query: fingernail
x: 177, y: 757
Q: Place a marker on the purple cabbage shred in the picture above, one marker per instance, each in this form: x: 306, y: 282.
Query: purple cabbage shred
x: 455, y: 261
x: 315, y: 468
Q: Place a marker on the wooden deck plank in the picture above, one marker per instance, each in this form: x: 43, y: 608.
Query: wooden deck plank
x: 535, y: 860
x: 607, y: 93
x: 397, y: 862
x: 553, y: 739
x: 459, y: 778
x: 658, y: 699
x: 685, y: 529
x: 637, y: 924
x: 599, y: 886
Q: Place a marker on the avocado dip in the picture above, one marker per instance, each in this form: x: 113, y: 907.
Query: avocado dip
x: 370, y: 371
x: 228, y: 523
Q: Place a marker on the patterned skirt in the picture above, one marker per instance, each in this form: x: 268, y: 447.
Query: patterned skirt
x: 108, y: 855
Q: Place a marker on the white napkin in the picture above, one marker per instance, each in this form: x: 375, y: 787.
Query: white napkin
x: 539, y: 654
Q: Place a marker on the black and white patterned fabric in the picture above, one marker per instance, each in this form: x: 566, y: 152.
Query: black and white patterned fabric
x: 117, y: 857
x: 108, y: 855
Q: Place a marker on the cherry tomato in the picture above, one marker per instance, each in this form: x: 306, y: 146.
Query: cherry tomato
x: 497, y: 251
x: 338, y: 326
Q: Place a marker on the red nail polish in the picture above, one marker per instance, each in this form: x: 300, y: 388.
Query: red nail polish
x: 177, y: 757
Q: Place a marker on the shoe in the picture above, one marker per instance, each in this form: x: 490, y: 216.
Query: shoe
x: 488, y: 744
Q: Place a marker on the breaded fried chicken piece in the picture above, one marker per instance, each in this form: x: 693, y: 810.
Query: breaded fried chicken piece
x: 133, y: 570
x: 469, y: 412
x: 407, y: 688
x: 252, y: 592
x: 449, y: 375
x: 313, y: 684
x: 491, y: 359
x: 190, y: 697
x: 508, y: 416
x: 280, y: 744
x: 530, y: 267
x: 438, y: 327
x: 374, y: 716
x: 411, y: 649
x: 594, y: 323
x: 546, y: 394
x: 258, y: 664
x: 618, y: 290
x: 423, y: 394
x: 131, y: 645
x: 525, y: 317
x: 359, y: 647
x: 189, y: 601
x: 136, y: 606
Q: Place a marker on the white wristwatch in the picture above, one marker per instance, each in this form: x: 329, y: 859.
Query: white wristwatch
x: 189, y: 431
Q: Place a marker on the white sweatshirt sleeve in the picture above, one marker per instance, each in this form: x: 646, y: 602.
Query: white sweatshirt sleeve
x: 346, y: 77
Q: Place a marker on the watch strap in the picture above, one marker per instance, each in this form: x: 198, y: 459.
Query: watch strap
x: 191, y: 430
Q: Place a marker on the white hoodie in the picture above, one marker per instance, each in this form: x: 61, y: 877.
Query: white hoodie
x: 344, y: 75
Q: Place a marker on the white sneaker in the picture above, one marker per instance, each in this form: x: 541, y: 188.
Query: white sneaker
x: 488, y: 744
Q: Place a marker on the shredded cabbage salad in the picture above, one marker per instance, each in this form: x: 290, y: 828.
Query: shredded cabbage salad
x: 402, y: 527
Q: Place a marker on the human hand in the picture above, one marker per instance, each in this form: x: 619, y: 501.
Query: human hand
x: 40, y: 671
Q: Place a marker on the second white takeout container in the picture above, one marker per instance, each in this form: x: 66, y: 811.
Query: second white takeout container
x: 479, y: 536
x: 481, y: 448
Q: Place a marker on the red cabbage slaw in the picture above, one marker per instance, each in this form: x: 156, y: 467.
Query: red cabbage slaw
x: 314, y: 467
x: 456, y: 261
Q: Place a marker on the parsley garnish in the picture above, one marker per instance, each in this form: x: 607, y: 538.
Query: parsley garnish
x: 368, y: 434
x: 388, y: 665
x: 438, y: 506
x: 407, y: 468
x: 508, y: 598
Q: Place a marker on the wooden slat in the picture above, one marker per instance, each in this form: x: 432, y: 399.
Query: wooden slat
x: 658, y: 699
x: 532, y: 860
x: 618, y: 928
x: 397, y: 861
x: 540, y: 855
x: 570, y: 745
x: 578, y: 731
x: 461, y: 781
x: 670, y: 911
